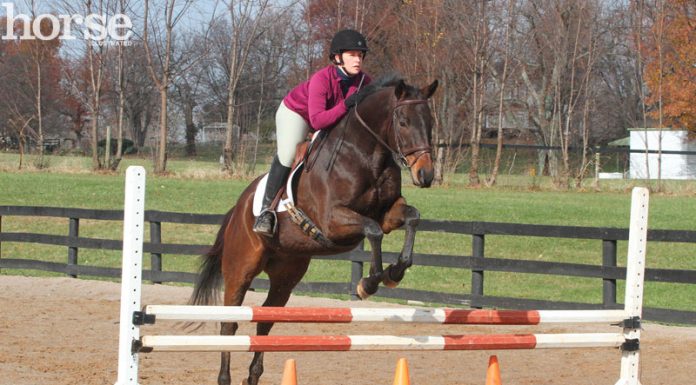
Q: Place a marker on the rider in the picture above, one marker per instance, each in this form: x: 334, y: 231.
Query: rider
x: 316, y: 104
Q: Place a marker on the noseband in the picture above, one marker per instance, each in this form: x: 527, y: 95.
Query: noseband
x: 398, y: 153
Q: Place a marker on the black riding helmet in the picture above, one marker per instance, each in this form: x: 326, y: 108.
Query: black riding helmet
x: 348, y: 40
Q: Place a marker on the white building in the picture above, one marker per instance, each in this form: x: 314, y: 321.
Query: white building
x: 673, y: 166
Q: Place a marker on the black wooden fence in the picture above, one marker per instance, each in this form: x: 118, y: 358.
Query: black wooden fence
x: 478, y: 262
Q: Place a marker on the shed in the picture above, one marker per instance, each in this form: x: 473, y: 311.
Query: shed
x: 673, y: 166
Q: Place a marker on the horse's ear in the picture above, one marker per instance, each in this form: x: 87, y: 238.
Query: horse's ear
x: 400, y: 89
x: 430, y: 90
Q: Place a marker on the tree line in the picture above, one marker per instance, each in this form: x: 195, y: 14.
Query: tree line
x: 557, y: 73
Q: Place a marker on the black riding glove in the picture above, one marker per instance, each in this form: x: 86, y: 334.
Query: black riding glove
x: 353, y: 100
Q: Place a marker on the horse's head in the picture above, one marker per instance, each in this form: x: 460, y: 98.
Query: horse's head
x: 412, y: 123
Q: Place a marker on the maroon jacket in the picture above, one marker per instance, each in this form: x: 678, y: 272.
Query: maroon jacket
x: 319, y: 100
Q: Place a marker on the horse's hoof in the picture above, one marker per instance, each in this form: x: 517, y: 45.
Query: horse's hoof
x: 387, y: 279
x: 362, y: 293
x: 388, y: 282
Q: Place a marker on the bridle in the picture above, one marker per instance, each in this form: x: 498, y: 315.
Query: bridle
x: 398, y: 152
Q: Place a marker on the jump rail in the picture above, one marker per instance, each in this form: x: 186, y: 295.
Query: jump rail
x: 132, y: 317
x: 378, y: 343
x: 350, y: 315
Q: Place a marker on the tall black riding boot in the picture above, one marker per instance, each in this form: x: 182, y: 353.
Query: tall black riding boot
x: 265, y: 223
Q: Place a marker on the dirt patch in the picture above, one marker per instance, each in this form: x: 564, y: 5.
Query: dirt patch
x: 65, y: 331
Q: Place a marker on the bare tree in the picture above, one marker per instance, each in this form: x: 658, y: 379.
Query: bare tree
x: 638, y: 15
x: 20, y: 123
x: 268, y: 61
x: 140, y: 94
x: 544, y: 72
x: 188, y: 85
x: 509, y: 26
x: 94, y: 58
x: 436, y: 30
x: 37, y: 55
x: 96, y: 55
x: 589, y: 95
x: 123, y: 6
x: 40, y: 53
x: 480, y: 78
x: 172, y: 16
x: 658, y: 37
x: 569, y: 102
x: 245, y: 17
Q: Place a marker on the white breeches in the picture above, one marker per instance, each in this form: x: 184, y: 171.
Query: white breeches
x: 291, y: 130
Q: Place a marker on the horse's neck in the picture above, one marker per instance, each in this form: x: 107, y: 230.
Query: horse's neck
x: 353, y: 166
x: 361, y: 144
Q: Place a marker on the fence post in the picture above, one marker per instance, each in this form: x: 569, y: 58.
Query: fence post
x: 356, y: 273
x: 74, y: 233
x: 477, y: 246
x: 0, y: 239
x: 609, y: 284
x: 155, y: 258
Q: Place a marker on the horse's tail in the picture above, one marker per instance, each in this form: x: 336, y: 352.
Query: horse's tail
x: 207, y: 288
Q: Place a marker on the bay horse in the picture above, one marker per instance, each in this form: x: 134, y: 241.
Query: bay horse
x: 355, y: 195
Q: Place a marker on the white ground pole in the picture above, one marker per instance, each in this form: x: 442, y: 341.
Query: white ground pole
x: 131, y: 278
x: 635, y: 277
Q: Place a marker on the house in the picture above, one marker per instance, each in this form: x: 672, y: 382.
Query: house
x: 680, y: 165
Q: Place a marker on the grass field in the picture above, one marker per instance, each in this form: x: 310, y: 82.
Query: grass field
x: 200, y: 187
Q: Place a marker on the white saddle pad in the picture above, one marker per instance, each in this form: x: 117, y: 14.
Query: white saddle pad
x: 261, y: 190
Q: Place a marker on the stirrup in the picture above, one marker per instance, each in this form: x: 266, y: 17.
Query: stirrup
x: 259, y: 224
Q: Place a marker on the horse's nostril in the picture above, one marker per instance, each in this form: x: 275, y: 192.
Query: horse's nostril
x: 425, y: 178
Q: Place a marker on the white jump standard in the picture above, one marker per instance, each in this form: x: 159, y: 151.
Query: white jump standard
x: 132, y: 317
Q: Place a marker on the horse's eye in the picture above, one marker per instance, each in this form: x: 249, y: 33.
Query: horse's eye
x: 402, y: 123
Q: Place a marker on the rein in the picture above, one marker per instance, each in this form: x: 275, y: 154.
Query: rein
x: 398, y: 153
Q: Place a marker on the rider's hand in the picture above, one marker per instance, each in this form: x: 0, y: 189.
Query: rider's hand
x: 353, y: 100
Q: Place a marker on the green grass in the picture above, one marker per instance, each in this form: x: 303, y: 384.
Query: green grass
x: 200, y: 187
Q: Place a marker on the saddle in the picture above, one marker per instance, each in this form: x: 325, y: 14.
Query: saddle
x: 286, y: 193
x: 284, y: 200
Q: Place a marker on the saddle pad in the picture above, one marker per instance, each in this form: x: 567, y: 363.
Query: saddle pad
x: 261, y: 189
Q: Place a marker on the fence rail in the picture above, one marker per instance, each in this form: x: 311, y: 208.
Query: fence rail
x: 478, y: 262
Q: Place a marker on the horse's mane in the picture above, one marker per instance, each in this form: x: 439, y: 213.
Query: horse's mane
x: 388, y: 80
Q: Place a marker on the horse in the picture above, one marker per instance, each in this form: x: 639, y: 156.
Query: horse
x: 355, y: 195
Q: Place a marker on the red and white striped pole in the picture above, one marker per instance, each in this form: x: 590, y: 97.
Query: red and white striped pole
x: 391, y: 315
x: 213, y: 343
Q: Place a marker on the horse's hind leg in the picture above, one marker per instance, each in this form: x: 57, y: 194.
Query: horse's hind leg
x: 399, y: 215
x: 284, y: 276
x: 238, y: 271
x: 233, y: 297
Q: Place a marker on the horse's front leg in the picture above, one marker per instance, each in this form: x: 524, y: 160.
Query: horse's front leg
x: 346, y: 224
x: 400, y: 214
x: 369, y: 285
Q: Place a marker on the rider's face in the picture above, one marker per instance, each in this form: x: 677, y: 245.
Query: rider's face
x: 352, y: 61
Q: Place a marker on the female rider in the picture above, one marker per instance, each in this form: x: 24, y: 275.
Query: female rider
x: 317, y: 104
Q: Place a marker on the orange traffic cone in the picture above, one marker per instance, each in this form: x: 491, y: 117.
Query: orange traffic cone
x: 289, y: 373
x: 401, y: 376
x: 493, y: 373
